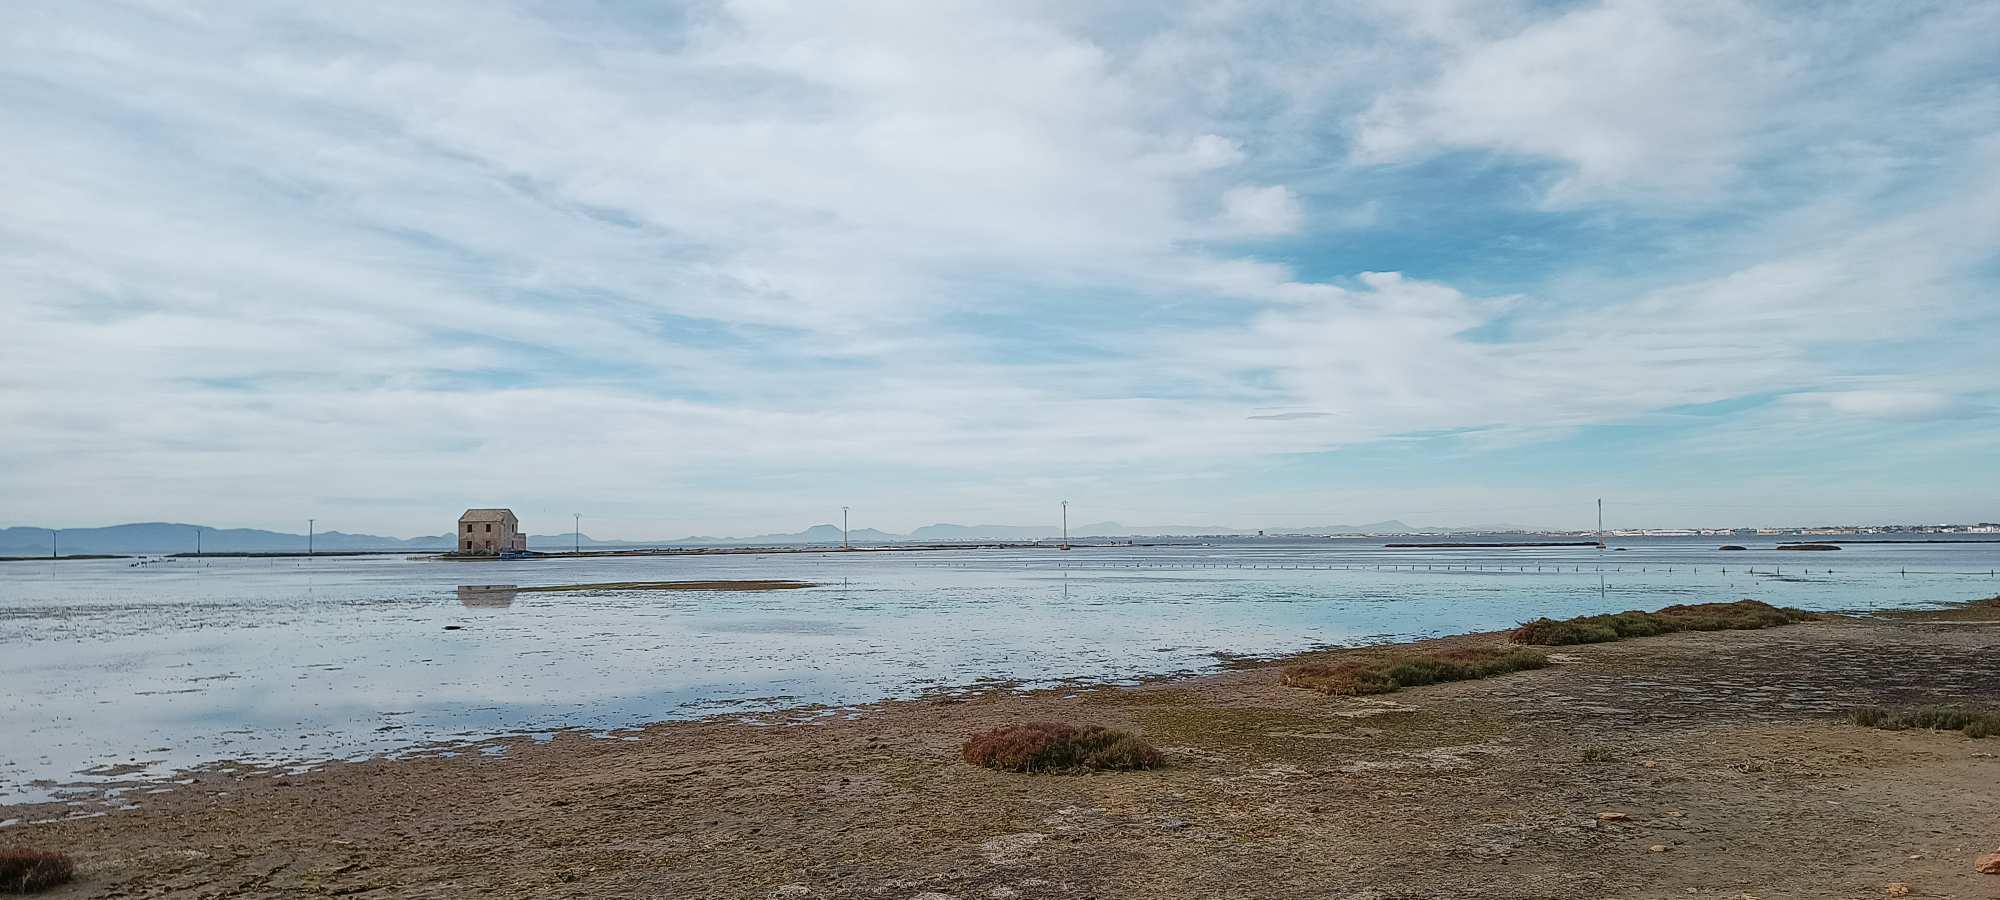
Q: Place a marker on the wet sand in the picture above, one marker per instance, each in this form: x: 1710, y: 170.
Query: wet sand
x: 1713, y: 764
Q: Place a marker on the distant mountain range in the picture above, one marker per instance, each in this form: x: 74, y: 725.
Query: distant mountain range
x: 174, y: 537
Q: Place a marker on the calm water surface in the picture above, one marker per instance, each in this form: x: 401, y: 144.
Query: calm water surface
x: 107, y: 668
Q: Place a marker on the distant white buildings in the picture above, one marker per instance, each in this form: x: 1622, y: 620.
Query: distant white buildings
x: 490, y: 531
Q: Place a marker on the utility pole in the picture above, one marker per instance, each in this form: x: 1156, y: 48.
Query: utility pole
x: 309, y: 536
x: 52, y: 542
x: 576, y: 532
x: 843, y: 529
x: 197, y: 540
x: 1065, y: 524
x: 1600, y: 523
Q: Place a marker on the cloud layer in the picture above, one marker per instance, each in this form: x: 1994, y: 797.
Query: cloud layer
x: 729, y: 265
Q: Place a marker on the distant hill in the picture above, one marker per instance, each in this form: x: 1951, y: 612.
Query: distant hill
x: 949, y: 532
x: 178, y: 537
x: 818, y: 534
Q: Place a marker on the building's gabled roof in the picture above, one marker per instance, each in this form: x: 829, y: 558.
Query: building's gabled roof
x: 487, y: 515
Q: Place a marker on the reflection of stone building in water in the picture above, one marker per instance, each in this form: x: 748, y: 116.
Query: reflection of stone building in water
x: 490, y: 531
x: 493, y: 596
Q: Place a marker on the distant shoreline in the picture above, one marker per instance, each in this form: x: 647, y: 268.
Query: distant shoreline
x: 65, y: 556
x: 441, y: 553
x: 760, y: 551
x: 1448, y: 545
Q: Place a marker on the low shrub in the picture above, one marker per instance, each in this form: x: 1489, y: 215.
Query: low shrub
x: 1976, y: 722
x: 27, y: 871
x: 1365, y: 672
x: 1737, y: 615
x: 1059, y: 747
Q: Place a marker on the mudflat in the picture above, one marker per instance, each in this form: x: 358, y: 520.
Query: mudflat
x: 1686, y: 765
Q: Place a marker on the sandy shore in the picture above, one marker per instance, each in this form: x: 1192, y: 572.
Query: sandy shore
x: 1722, y: 757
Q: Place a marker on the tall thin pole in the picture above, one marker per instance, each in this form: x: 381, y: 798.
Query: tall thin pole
x: 197, y: 540
x: 576, y: 532
x: 309, y: 536
x: 1600, y: 523
x: 1065, y: 524
x: 52, y: 542
x: 843, y: 529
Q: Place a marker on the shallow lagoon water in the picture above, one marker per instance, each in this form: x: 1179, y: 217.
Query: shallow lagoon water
x: 112, y: 671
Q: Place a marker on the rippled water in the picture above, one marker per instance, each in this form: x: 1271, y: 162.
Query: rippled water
x: 162, y: 665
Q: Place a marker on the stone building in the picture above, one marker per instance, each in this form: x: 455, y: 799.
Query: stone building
x: 490, y: 531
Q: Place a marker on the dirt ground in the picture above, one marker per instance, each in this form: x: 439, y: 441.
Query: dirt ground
x: 1722, y: 758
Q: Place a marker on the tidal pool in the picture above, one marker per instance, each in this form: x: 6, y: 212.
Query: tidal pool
x: 112, y: 671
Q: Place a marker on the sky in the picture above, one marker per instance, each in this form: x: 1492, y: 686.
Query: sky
x: 725, y: 267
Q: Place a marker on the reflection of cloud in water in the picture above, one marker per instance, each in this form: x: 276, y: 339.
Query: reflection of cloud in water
x: 490, y: 596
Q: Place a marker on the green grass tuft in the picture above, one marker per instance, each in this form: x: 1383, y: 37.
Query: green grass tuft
x: 1739, y: 615
x: 1367, y: 672
x: 1976, y: 722
x: 1058, y: 747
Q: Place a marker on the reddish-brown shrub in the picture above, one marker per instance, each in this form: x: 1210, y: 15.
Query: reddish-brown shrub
x: 26, y: 871
x: 1058, y: 747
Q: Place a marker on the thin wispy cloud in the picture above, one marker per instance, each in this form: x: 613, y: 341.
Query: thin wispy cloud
x: 725, y: 266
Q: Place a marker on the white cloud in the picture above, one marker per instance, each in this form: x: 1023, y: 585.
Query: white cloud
x: 1627, y: 94
x: 1887, y: 404
x: 1261, y: 211
x: 758, y: 255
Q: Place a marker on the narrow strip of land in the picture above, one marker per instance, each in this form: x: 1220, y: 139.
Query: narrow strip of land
x: 769, y: 584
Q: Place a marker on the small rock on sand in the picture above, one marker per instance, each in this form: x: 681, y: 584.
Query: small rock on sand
x: 1657, y: 848
x: 1989, y: 864
x: 1010, y: 849
x: 1612, y: 816
x: 1896, y: 889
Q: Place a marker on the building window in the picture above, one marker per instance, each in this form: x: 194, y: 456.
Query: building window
x: 489, y: 528
x: 468, y: 545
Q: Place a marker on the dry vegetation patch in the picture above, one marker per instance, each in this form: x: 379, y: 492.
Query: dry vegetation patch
x: 1371, y: 672
x: 28, y: 871
x: 1976, y: 722
x: 1986, y: 610
x: 1058, y: 747
x: 1739, y: 615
